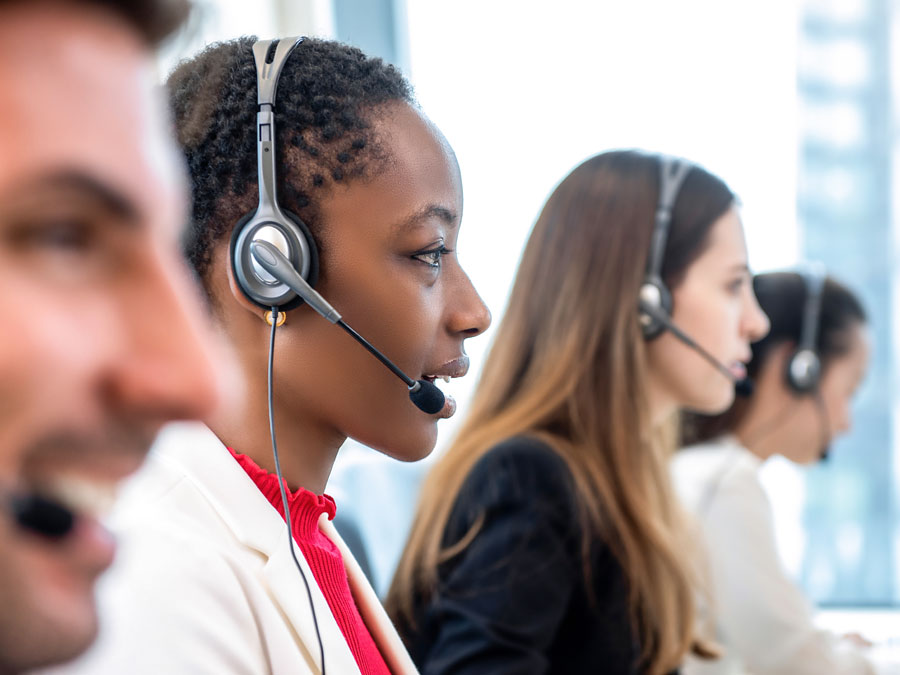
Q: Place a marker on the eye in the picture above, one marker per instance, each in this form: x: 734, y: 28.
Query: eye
x: 60, y: 247
x: 62, y: 236
x: 432, y: 256
x: 736, y: 285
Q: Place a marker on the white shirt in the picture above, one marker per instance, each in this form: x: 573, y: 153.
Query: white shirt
x: 204, y: 582
x: 763, y: 620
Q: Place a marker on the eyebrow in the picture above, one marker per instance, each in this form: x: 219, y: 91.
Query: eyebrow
x: 108, y: 197
x: 433, y: 211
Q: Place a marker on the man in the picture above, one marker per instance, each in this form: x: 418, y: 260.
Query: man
x: 101, y: 329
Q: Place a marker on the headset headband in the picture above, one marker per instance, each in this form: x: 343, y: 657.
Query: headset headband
x: 814, y: 276
x: 267, y: 73
x: 672, y: 172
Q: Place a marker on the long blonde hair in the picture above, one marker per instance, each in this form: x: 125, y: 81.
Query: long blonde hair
x: 568, y: 366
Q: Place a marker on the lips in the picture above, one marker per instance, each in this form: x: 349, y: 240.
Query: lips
x: 80, y: 494
x: 79, y: 471
x: 738, y: 369
x: 458, y: 367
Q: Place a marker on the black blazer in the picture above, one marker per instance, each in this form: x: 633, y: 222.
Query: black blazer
x: 515, y: 601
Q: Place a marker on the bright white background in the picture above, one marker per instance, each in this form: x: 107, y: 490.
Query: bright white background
x: 525, y: 91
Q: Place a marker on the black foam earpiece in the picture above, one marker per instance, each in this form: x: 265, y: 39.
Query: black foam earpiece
x: 43, y: 516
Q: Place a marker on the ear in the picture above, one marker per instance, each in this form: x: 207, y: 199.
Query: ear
x: 227, y: 294
x: 772, y: 373
x: 235, y: 290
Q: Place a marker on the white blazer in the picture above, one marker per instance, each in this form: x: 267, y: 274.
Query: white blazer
x: 764, y: 620
x: 204, y: 581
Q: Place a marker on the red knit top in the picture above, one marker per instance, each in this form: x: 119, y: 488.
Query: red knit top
x: 324, y: 559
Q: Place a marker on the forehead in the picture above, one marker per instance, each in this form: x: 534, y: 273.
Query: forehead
x: 417, y: 150
x: 726, y: 235
x: 420, y: 175
x: 77, y: 94
x: 725, y: 245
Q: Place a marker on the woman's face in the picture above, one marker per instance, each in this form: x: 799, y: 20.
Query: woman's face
x: 820, y: 418
x: 715, y: 305
x: 389, y: 264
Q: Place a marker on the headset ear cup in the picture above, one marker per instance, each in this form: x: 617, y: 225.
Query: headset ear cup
x: 293, y: 229
x: 803, y: 371
x: 655, y: 293
x: 312, y: 277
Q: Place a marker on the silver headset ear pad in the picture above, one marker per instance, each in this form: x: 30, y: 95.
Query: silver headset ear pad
x: 292, y: 237
x: 654, y: 293
x: 804, y: 369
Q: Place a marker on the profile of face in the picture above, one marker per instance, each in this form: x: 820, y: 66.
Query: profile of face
x: 715, y: 305
x: 101, y: 337
x: 813, y: 421
x: 389, y: 265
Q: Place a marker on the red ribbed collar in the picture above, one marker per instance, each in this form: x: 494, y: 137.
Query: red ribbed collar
x: 305, y: 506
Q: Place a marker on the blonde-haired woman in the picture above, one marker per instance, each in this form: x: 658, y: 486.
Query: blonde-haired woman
x: 548, y: 538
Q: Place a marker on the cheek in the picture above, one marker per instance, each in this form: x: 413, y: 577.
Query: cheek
x: 838, y: 409
x: 385, y: 301
x: 48, y: 343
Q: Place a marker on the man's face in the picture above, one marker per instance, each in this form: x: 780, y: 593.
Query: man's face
x: 101, y: 329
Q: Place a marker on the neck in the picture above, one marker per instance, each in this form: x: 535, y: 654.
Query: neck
x: 661, y: 406
x: 306, y: 448
x: 759, y: 431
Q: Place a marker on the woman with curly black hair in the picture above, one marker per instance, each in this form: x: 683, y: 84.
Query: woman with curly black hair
x: 209, y: 581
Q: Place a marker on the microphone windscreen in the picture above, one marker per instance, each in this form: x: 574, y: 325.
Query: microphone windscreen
x: 427, y: 398
x: 42, y: 516
x: 744, y: 387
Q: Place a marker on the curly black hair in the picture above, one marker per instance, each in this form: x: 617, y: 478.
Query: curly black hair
x: 328, y: 97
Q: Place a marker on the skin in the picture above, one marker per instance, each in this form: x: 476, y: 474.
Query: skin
x: 374, y: 271
x: 782, y: 422
x: 100, y: 341
x: 715, y: 305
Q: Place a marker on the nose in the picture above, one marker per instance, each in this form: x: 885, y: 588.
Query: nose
x: 756, y: 323
x: 167, y: 367
x: 468, y: 315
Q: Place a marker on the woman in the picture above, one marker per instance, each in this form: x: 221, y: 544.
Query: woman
x: 548, y: 538
x: 212, y: 583
x: 763, y: 620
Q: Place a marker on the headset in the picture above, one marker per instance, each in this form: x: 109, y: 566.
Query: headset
x: 273, y: 255
x: 804, y: 367
x: 654, y: 297
x: 269, y: 222
x: 654, y: 294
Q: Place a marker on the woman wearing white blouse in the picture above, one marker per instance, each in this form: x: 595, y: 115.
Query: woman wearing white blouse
x: 805, y: 373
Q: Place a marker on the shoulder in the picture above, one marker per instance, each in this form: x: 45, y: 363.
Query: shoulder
x: 165, y: 586
x: 712, y: 471
x: 720, y: 484
x: 520, y: 475
x: 522, y: 463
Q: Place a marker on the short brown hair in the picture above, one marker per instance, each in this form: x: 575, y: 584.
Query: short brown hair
x: 153, y: 20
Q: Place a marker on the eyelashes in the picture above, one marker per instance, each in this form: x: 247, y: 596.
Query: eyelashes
x: 432, y: 257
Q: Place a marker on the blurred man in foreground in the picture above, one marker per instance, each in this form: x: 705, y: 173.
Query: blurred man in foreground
x: 102, y: 334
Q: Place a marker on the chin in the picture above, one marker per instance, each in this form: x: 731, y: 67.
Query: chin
x: 63, y: 639
x: 409, y: 443
x: 714, y: 400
